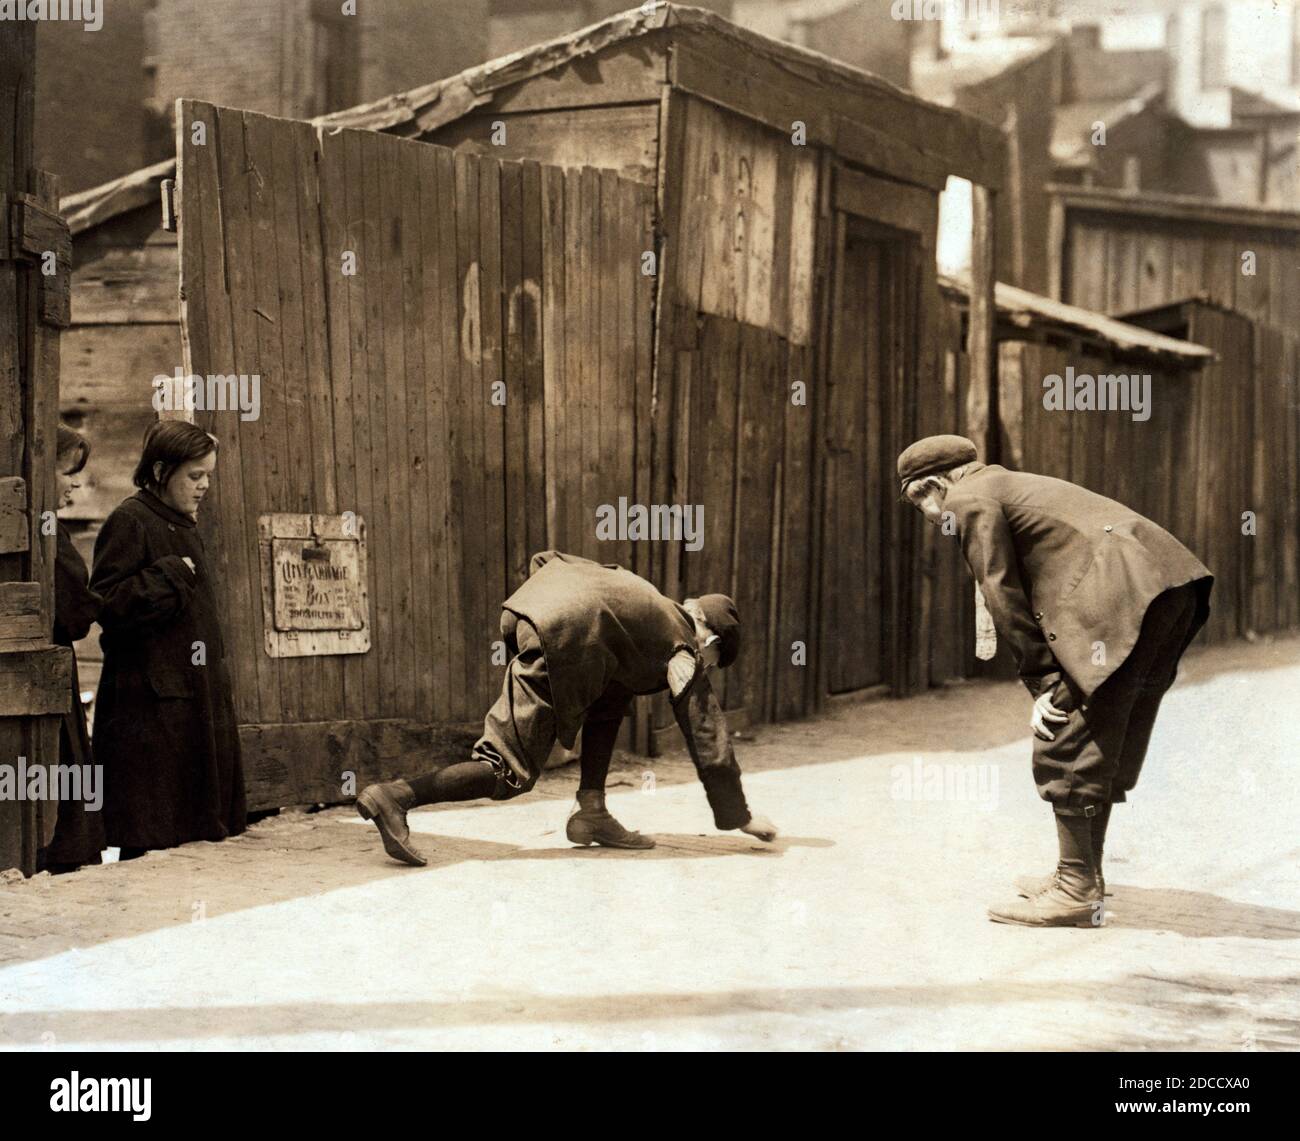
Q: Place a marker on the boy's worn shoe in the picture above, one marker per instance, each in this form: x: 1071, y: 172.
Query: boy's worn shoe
x: 591, y: 823
x: 1055, y: 907
x: 1030, y: 886
x: 387, y: 805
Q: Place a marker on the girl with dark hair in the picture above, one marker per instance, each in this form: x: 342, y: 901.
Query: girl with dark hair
x: 165, y: 727
x: 79, y: 830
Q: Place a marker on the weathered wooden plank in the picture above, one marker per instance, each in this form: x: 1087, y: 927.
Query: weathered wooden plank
x: 23, y: 624
x: 570, y: 469
x: 491, y: 418
x: 554, y: 252
x: 514, y: 415
x: 301, y: 763
x: 757, y: 203
x: 14, y: 522
x: 316, y: 271
x: 530, y: 320
x: 589, y: 356
x: 237, y: 182
x: 622, y: 138
x: 470, y: 505
x: 205, y: 338
x: 983, y: 317
x: 296, y: 273
x: 395, y: 239
x: 666, y: 402
x: 114, y: 365
x: 424, y: 603
x: 364, y: 344
x: 643, y: 331
x: 602, y: 79
x: 127, y: 285
x: 431, y: 431
x: 903, y: 207
x: 381, y: 294
x: 337, y: 409
x: 611, y: 480
x: 455, y: 378
x: 36, y: 682
x: 276, y: 484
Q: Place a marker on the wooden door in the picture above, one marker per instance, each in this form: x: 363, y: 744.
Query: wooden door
x: 451, y: 347
x: 885, y: 234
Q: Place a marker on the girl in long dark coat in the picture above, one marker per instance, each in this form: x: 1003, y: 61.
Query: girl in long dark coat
x: 79, y: 830
x: 165, y: 726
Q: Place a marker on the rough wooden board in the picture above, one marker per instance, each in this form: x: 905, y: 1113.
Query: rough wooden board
x: 36, y: 682
x: 22, y: 621
x: 436, y: 382
x: 449, y: 284
x: 14, y: 523
x: 903, y: 207
x: 307, y: 762
x: 114, y: 365
x: 353, y: 216
x: 129, y: 285
x: 621, y: 139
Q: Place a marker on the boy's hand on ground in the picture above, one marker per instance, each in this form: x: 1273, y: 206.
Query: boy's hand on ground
x: 1045, y: 711
x: 760, y: 827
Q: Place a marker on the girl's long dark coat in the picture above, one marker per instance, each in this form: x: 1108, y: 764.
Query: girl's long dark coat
x: 78, y: 834
x: 165, y: 726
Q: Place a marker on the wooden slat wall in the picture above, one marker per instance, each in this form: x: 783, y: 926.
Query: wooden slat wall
x: 1115, y: 263
x: 735, y: 337
x: 474, y: 277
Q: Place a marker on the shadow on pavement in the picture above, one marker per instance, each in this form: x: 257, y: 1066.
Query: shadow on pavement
x: 1197, y: 914
x: 675, y: 846
x: 1222, y: 1008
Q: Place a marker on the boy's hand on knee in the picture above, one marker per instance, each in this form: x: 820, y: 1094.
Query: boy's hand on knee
x: 760, y: 827
x: 1045, y: 711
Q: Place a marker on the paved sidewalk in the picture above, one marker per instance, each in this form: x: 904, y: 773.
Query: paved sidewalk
x: 862, y: 928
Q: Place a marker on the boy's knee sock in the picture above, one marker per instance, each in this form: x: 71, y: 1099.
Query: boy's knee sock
x: 598, y: 739
x: 466, y: 780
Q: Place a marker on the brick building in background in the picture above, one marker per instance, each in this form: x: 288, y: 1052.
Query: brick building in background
x: 90, y: 93
x: 105, y: 98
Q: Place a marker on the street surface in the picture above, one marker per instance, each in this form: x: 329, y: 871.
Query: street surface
x: 863, y: 927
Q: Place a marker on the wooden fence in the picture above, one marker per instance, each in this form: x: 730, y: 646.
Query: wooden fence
x: 473, y: 391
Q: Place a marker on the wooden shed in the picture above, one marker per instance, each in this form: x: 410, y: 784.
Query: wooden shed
x: 661, y: 261
x: 1117, y: 251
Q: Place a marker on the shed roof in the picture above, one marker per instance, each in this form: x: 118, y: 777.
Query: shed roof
x: 936, y: 134
x: 1174, y: 207
x: 1029, y: 310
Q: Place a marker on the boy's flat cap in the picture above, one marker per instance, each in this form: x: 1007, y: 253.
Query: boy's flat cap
x: 721, y: 616
x: 932, y: 454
